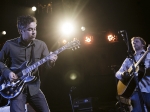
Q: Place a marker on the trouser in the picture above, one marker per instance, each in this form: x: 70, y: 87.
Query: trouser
x: 37, y: 101
x: 137, y: 104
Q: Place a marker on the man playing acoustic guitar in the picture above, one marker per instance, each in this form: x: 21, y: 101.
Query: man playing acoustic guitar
x: 19, y: 50
x: 127, y: 82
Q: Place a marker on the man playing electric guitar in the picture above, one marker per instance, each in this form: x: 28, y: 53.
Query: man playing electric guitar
x: 19, y: 50
x: 123, y: 74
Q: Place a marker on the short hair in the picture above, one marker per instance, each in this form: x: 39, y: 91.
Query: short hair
x: 141, y: 39
x: 23, y: 21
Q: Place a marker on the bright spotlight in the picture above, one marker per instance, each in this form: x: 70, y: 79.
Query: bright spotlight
x: 88, y: 39
x: 73, y: 76
x: 83, y: 28
x: 33, y: 8
x: 67, y: 28
x: 3, y: 32
x: 112, y: 38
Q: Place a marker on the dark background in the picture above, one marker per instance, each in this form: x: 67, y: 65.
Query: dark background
x: 94, y: 64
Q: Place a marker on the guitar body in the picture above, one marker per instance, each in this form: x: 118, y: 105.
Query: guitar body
x: 126, y: 88
x: 13, y: 89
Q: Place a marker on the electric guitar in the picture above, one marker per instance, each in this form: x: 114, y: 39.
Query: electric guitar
x: 10, y: 90
x: 125, y: 88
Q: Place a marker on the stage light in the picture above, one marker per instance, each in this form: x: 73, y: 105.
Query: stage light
x: 88, y: 39
x: 83, y: 28
x: 33, y: 8
x: 45, y: 8
x: 67, y: 28
x: 3, y: 32
x: 73, y: 76
x: 112, y: 38
x: 64, y: 41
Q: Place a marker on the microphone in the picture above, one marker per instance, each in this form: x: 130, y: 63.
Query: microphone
x: 121, y: 31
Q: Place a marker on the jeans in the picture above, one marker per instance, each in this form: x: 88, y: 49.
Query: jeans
x: 37, y: 101
x: 137, y: 105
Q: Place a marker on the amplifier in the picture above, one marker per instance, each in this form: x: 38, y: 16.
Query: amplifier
x: 86, y: 105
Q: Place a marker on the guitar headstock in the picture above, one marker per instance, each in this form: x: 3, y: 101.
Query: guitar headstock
x: 72, y: 45
x: 148, y: 47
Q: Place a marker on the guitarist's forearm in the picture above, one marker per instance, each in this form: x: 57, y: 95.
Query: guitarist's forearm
x: 124, y: 67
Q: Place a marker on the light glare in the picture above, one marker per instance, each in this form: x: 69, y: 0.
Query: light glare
x: 88, y: 39
x: 112, y: 38
x: 67, y: 28
x: 83, y: 28
x: 3, y: 32
x: 64, y: 41
x: 73, y: 76
x: 33, y: 8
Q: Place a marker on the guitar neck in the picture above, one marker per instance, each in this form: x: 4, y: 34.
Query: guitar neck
x: 141, y: 58
x: 138, y: 62
x: 40, y: 62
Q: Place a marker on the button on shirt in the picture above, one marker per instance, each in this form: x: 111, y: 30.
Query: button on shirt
x: 144, y: 84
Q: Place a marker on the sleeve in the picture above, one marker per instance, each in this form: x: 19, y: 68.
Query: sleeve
x: 4, y: 70
x: 124, y: 67
x: 49, y: 64
x: 147, y: 61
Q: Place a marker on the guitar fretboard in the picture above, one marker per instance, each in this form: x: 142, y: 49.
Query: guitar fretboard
x: 136, y: 64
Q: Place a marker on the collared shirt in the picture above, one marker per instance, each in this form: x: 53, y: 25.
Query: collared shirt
x: 17, y: 53
x: 144, y: 84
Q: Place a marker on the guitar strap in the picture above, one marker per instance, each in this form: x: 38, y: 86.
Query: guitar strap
x: 144, y: 57
x: 143, y: 60
x: 32, y: 57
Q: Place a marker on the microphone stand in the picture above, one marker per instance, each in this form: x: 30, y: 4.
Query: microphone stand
x: 131, y: 56
x: 71, y: 89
